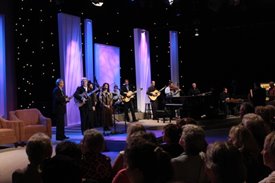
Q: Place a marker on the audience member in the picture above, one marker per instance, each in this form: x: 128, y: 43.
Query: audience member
x: 95, y: 166
x: 65, y: 165
x: 268, y: 153
x: 188, y: 167
x: 224, y: 163
x: 147, y: 163
x: 39, y: 148
x: 255, y: 124
x: 245, y: 108
x: 171, y: 137
x: 265, y: 113
x: 122, y: 176
x: 119, y: 161
x: 243, y: 139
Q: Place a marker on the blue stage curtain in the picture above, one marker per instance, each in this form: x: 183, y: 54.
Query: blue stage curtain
x: 3, y: 89
x: 174, y: 56
x: 89, y: 49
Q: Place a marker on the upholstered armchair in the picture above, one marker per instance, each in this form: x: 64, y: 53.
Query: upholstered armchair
x: 31, y: 122
x: 9, y: 131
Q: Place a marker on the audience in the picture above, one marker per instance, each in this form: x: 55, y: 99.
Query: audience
x: 39, y: 148
x: 183, y: 157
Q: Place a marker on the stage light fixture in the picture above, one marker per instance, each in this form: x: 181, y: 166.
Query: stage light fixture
x: 170, y: 2
x: 97, y: 3
x: 196, y: 32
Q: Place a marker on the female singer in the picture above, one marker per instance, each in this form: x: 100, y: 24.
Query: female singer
x: 106, y: 101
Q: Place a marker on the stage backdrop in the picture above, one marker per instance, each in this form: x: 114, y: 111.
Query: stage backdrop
x: 107, y: 64
x: 174, y: 56
x: 71, y: 64
x: 89, y: 49
x: 3, y: 104
x: 143, y: 67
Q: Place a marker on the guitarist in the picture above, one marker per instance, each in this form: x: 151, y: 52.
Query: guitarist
x: 59, y: 109
x: 81, y: 95
x: 127, y: 105
x: 154, y: 103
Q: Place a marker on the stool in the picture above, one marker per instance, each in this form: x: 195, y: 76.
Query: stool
x: 148, y: 111
x: 163, y: 114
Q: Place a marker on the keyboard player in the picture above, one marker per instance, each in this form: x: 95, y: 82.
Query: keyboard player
x: 194, y: 91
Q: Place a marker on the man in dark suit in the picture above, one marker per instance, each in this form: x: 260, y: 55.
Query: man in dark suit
x: 59, y: 109
x: 125, y: 90
x: 82, y: 98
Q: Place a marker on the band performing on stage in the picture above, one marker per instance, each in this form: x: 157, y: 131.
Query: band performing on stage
x: 98, y: 105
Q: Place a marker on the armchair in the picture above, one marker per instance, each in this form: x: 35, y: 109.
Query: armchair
x: 31, y: 122
x: 9, y: 131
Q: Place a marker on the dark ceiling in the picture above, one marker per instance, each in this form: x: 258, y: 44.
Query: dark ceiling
x: 213, y: 14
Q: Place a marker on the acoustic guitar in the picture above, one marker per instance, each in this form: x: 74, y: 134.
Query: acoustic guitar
x: 129, y: 95
x: 155, y: 94
x: 84, y: 96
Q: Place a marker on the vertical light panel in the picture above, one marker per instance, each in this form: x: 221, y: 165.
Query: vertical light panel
x: 3, y: 104
x: 143, y: 66
x: 89, y: 49
x: 174, y: 56
x: 107, y: 64
x: 71, y: 64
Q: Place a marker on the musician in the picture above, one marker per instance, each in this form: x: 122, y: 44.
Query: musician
x: 106, y: 101
x: 171, y: 91
x: 92, y: 101
x: 154, y: 103
x: 59, y: 109
x: 271, y: 91
x: 127, y: 105
x: 194, y: 91
x: 81, y: 96
x: 116, y: 95
x: 224, y: 101
x: 257, y: 95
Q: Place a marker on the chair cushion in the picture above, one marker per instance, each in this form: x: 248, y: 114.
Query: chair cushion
x: 31, y: 116
x: 32, y: 129
x: 5, y: 132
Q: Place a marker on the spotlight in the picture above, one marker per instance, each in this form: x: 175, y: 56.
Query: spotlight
x: 97, y: 3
